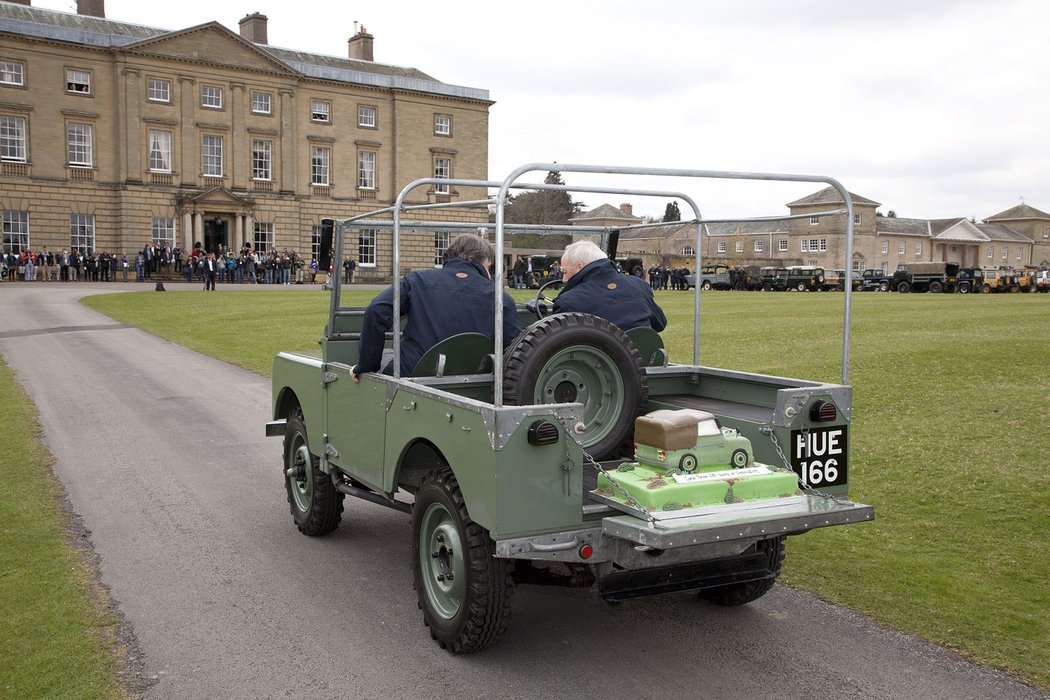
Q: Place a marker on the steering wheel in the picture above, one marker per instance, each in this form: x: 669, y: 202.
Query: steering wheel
x: 538, y: 304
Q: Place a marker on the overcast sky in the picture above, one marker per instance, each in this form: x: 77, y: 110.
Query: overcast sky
x: 933, y: 108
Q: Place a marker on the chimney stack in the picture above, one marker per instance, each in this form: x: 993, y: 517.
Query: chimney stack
x: 253, y: 28
x: 627, y: 209
x: 91, y: 8
x: 360, y: 45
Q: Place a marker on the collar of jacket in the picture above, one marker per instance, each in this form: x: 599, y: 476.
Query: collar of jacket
x: 459, y: 264
x: 590, y: 269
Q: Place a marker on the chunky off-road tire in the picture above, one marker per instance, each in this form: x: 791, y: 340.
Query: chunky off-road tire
x: 738, y: 459
x: 767, y: 287
x: 315, y: 503
x: 936, y: 288
x: 964, y: 288
x: 463, y: 590
x: 903, y: 288
x: 884, y: 286
x: 801, y: 286
x: 581, y: 358
x: 743, y: 593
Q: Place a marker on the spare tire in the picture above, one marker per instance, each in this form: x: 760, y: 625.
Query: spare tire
x: 581, y: 358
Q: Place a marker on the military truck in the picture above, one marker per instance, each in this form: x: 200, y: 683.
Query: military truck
x: 935, y: 277
x: 710, y: 277
x: 774, y: 279
x: 496, y: 455
x: 805, y: 278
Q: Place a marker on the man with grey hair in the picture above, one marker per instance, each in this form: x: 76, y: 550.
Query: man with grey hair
x: 593, y: 285
x: 457, y: 298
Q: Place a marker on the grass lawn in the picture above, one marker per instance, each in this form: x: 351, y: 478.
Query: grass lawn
x: 949, y: 441
x: 55, y: 630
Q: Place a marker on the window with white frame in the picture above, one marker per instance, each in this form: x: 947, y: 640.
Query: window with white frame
x: 13, y: 138
x: 803, y: 245
x: 262, y: 102
x: 366, y: 170
x: 885, y: 247
x: 688, y: 251
x: 814, y: 220
x: 759, y: 246
x: 164, y: 231
x: 1020, y: 253
x: 366, y: 247
x: 78, y: 144
x: 158, y: 90
x: 78, y: 81
x: 320, y: 160
x: 82, y: 232
x: 782, y: 245
x: 320, y: 111
x: 814, y: 245
x: 159, y: 151
x: 823, y: 245
x: 443, y: 170
x: 442, y: 125
x: 1006, y: 252
x: 12, y: 73
x: 856, y: 219
x: 262, y: 159
x: 211, y: 156
x: 991, y: 252
x: 315, y: 243
x: 366, y: 116
x: 918, y: 247
x: 211, y: 96
x: 440, y: 246
x: 1046, y: 233
x: 858, y: 265
x: 740, y: 246
x: 16, y: 231
x: 263, y: 236
x: 901, y: 248
x: 722, y: 247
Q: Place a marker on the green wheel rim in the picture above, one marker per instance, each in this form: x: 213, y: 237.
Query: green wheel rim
x: 739, y: 459
x: 589, y: 376
x: 301, y: 479
x: 441, y: 561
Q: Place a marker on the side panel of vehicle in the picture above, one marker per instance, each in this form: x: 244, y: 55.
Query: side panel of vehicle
x: 356, y: 424
x: 297, y: 383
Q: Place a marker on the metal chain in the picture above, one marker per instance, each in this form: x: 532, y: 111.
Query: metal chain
x: 631, y: 500
x: 787, y: 463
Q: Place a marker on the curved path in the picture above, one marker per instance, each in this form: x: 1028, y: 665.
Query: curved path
x: 162, y: 453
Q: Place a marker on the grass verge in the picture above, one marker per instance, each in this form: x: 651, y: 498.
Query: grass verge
x: 948, y: 441
x: 56, y: 633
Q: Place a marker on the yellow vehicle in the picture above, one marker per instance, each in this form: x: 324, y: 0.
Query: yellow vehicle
x: 1026, y: 279
x: 995, y: 280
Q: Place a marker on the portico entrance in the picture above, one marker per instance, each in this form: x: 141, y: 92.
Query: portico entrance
x: 216, y: 233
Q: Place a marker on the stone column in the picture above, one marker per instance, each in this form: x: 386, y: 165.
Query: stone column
x: 238, y: 232
x: 187, y: 233
x: 249, y: 229
x: 198, y: 227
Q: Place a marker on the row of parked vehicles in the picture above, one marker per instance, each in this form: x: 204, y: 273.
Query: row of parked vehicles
x: 934, y: 277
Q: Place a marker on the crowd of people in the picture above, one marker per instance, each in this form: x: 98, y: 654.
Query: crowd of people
x: 665, y: 277
x: 247, y: 266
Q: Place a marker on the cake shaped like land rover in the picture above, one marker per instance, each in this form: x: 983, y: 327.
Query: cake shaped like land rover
x: 686, y: 460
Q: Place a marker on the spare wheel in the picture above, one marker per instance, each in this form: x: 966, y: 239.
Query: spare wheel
x: 581, y: 358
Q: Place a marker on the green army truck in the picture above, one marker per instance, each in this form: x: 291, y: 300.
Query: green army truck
x: 497, y: 456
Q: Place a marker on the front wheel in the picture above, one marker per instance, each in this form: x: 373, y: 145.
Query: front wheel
x: 743, y: 593
x: 935, y: 287
x: 964, y: 288
x: 706, y: 286
x: 739, y: 459
x: 315, y: 503
x: 903, y: 287
x: 463, y: 590
x: 767, y: 287
x: 884, y: 286
x: 801, y: 286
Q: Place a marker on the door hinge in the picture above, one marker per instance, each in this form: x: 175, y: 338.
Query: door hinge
x: 328, y: 378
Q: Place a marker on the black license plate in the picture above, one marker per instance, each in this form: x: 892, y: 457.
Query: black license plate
x: 820, y: 455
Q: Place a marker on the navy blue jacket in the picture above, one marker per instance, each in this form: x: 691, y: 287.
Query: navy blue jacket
x: 458, y: 298
x: 602, y: 290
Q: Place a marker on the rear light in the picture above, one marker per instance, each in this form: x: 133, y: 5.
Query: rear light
x: 822, y: 412
x: 586, y: 551
x: 543, y: 433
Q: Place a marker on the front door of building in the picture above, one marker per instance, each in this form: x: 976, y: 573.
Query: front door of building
x: 215, y: 234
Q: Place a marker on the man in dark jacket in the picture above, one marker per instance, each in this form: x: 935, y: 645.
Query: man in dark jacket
x: 594, y: 286
x: 441, y: 303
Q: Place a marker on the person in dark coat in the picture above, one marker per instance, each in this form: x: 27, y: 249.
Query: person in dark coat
x: 440, y: 303
x: 211, y: 267
x: 594, y: 286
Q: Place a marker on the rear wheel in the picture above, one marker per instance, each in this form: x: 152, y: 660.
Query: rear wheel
x: 315, y: 503
x: 987, y: 289
x: 964, y: 288
x: 743, y: 593
x: 935, y: 288
x: 767, y: 287
x: 706, y: 286
x: 463, y: 590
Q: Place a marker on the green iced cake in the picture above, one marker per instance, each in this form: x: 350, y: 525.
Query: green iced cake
x: 658, y: 489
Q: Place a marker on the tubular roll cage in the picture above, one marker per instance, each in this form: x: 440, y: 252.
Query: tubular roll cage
x: 500, y: 227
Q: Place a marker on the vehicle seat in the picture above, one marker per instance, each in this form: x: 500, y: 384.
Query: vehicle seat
x: 465, y: 353
x: 650, y: 346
